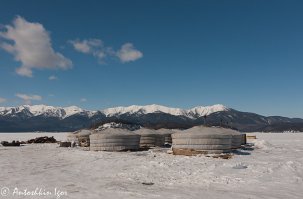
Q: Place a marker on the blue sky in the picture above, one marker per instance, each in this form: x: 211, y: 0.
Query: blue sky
x: 247, y: 55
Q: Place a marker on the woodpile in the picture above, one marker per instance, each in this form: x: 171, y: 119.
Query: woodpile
x: 65, y: 144
x: 13, y: 143
x: 44, y: 139
x: 251, y: 137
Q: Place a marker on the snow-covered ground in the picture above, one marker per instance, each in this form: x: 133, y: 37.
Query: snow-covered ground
x: 26, y: 136
x: 274, y: 169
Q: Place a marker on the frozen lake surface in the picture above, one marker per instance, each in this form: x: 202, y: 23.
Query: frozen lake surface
x: 274, y: 169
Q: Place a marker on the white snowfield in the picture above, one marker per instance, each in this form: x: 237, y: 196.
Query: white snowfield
x: 274, y: 169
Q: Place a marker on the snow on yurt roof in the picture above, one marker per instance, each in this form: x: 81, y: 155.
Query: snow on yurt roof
x: 231, y: 131
x: 145, y: 131
x: 165, y: 131
x: 131, y: 127
x: 84, y: 132
x: 114, y: 132
x: 203, y: 132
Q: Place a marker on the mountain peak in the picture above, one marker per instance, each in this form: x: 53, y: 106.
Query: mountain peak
x: 207, y: 110
x: 71, y: 110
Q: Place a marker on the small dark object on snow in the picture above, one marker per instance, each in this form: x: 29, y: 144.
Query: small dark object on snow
x: 13, y: 143
x: 65, y: 144
x: 44, y: 139
x: 148, y: 183
x: 223, y: 156
x: 240, y: 167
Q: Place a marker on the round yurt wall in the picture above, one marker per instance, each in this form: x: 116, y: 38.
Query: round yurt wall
x: 150, y: 138
x: 167, y: 135
x: 114, y: 139
x: 201, y: 140
x: 237, y: 138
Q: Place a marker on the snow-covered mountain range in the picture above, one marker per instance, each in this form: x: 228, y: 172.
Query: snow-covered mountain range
x: 154, y: 108
x: 37, y: 110
x: 49, y: 118
x: 64, y: 112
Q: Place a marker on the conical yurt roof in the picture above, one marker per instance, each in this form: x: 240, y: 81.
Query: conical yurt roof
x: 165, y: 131
x: 204, y: 132
x: 114, y: 132
x: 84, y: 132
x: 231, y: 131
x: 145, y: 131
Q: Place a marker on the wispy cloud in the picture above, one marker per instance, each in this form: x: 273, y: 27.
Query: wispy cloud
x: 52, y: 77
x: 27, y: 99
x: 96, y: 47
x: 129, y: 53
x: 87, y: 45
x: 2, y: 100
x: 83, y: 100
x: 31, y: 45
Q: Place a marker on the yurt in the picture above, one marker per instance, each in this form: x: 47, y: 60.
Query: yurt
x: 114, y: 139
x: 237, y: 137
x: 167, y: 135
x: 83, y: 137
x: 201, y: 140
x: 150, y: 138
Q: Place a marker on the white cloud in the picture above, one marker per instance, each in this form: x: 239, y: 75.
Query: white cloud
x: 2, y: 100
x: 30, y: 44
x: 29, y: 98
x: 95, y: 47
x: 81, y: 46
x: 87, y: 45
x: 128, y: 53
x: 83, y: 100
x: 52, y: 77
